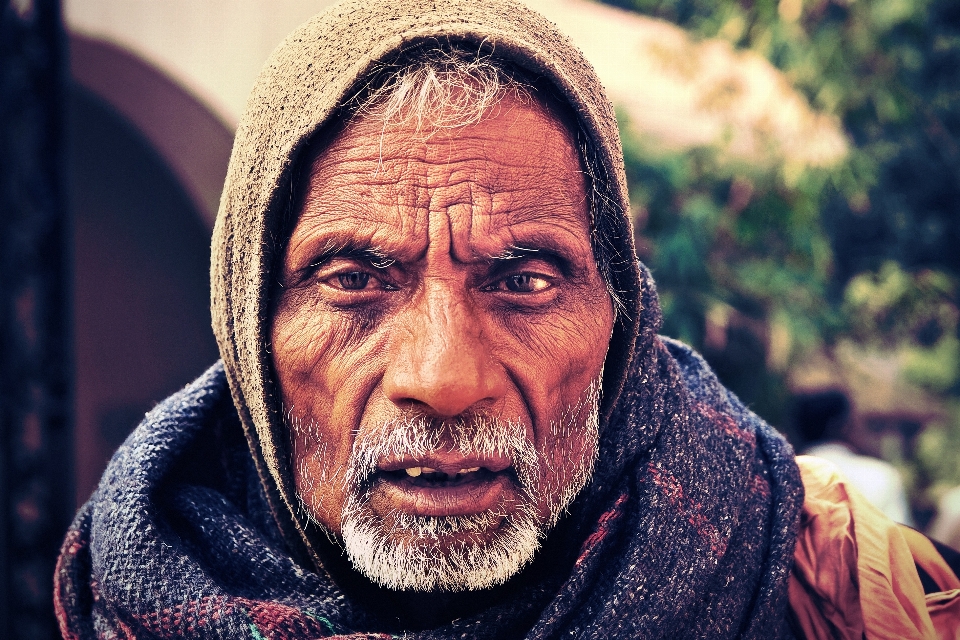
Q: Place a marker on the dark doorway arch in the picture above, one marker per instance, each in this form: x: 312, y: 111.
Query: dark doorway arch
x: 141, y: 251
x: 190, y: 139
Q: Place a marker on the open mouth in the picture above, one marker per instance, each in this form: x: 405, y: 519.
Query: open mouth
x: 430, y: 477
x: 444, y: 488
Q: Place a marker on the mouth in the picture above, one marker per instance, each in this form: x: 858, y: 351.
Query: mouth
x: 442, y: 487
x: 428, y: 476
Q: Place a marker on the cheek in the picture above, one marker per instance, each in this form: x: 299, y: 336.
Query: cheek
x: 566, y: 451
x: 304, y: 335
x: 319, y: 468
x: 321, y: 360
x: 555, y: 357
x: 574, y: 340
x: 559, y: 360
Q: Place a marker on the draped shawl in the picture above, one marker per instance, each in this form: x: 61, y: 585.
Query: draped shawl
x: 687, y: 528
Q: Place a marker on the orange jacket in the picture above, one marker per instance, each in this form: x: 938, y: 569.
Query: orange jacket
x: 855, y: 573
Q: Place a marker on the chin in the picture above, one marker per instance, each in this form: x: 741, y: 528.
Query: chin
x: 440, y: 553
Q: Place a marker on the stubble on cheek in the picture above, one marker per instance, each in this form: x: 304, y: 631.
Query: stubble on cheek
x: 569, y: 455
x: 316, y: 471
x: 315, y: 355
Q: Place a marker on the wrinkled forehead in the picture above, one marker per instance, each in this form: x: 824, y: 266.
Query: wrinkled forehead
x: 512, y: 179
x: 543, y: 130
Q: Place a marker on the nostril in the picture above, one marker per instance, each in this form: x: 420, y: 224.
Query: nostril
x: 443, y: 389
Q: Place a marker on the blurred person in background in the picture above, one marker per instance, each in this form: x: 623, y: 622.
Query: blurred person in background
x: 822, y: 419
x: 946, y: 525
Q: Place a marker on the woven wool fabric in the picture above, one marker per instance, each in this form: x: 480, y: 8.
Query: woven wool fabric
x: 687, y: 528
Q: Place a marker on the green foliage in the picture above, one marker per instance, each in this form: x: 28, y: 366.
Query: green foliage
x: 741, y: 262
x: 913, y: 315
x: 892, y: 306
x: 937, y: 449
x: 758, y: 267
x: 890, y: 70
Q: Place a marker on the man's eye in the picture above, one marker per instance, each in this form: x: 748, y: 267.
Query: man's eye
x: 354, y: 280
x: 525, y: 283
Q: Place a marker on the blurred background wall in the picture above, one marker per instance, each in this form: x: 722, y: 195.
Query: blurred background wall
x: 794, y: 170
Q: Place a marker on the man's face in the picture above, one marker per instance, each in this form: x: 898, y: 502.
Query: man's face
x: 438, y: 342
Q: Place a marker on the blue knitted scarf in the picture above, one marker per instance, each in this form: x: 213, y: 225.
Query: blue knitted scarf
x: 692, y: 537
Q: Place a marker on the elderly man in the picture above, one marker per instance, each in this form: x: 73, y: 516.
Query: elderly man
x: 443, y: 410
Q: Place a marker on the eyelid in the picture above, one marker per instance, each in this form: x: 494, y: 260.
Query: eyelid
x: 537, y: 265
x: 372, y: 256
x: 494, y: 283
x: 351, y: 265
x: 355, y: 263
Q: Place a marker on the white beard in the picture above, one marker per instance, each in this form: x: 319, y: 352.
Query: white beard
x: 410, y: 555
x: 457, y: 553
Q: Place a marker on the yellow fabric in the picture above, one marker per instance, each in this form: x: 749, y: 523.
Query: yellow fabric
x: 943, y: 606
x: 854, y: 574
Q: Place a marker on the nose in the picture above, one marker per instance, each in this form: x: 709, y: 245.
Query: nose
x: 442, y: 362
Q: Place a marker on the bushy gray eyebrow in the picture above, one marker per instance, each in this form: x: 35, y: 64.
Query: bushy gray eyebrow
x: 514, y: 252
x: 379, y: 258
x: 371, y: 254
x: 551, y: 254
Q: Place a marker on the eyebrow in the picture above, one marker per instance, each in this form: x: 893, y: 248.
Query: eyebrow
x: 549, y: 252
x: 536, y: 246
x: 365, y: 251
x: 515, y: 252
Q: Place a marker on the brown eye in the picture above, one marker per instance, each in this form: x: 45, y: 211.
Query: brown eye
x: 525, y: 283
x: 354, y: 280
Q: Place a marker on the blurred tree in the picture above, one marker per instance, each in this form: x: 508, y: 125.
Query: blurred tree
x: 758, y: 266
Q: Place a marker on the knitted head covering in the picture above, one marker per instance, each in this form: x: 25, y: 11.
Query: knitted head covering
x: 300, y: 89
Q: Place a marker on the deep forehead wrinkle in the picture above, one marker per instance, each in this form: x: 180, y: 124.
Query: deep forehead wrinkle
x: 407, y: 165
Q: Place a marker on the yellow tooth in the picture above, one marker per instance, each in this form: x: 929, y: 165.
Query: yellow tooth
x: 428, y: 470
x: 470, y: 470
x: 413, y: 472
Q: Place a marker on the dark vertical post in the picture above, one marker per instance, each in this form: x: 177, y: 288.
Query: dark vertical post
x: 36, y: 473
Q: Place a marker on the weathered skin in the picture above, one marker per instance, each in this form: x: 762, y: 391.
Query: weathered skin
x: 446, y: 328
